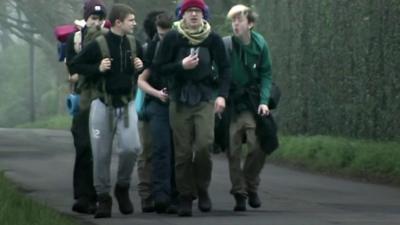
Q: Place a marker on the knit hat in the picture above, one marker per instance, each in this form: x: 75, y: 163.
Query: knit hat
x: 94, y: 7
x: 178, y: 12
x: 186, y: 4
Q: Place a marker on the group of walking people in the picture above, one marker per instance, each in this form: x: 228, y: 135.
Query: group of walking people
x: 193, y: 79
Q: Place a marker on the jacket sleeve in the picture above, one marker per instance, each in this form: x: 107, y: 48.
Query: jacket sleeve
x: 223, y: 65
x: 164, y: 62
x: 265, y: 74
x: 87, y: 62
x: 140, y: 55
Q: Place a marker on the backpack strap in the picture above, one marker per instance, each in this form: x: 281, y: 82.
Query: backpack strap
x: 102, y: 42
x: 132, y: 45
x: 228, y: 45
x: 78, y: 41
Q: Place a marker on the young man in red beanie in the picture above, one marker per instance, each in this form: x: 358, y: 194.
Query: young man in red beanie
x: 112, y: 114
x: 94, y: 13
x: 186, y: 57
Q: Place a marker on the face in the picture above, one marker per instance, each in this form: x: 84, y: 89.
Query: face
x: 193, y: 17
x: 128, y: 24
x: 161, y: 32
x: 241, y: 25
x: 94, y: 20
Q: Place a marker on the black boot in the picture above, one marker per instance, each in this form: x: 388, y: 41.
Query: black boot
x: 104, y: 205
x: 173, y: 206
x: 204, y: 203
x: 161, y: 203
x: 240, y: 203
x: 84, y: 205
x: 121, y: 193
x: 185, y: 206
x: 254, y: 200
x: 147, y: 205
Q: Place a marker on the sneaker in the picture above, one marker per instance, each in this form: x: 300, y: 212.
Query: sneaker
x: 121, y: 193
x: 104, y: 205
x: 240, y: 203
x: 254, y: 200
x: 147, y: 205
x: 204, y: 203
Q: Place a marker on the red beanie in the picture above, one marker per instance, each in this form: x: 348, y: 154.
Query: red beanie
x: 94, y: 7
x: 193, y: 3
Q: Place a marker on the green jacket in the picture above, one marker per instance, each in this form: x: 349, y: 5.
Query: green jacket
x: 251, y: 64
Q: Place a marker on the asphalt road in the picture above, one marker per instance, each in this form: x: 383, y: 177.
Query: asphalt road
x: 40, y: 162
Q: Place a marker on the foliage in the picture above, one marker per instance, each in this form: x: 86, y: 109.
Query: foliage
x: 373, y: 160
x: 14, y: 86
x: 337, y: 64
x: 15, y: 209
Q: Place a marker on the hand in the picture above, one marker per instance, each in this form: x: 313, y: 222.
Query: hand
x: 163, y: 95
x: 138, y: 63
x: 73, y: 78
x: 190, y: 62
x: 105, y: 65
x: 263, y: 110
x: 219, y: 105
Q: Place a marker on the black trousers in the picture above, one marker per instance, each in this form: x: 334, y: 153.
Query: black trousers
x: 83, y: 167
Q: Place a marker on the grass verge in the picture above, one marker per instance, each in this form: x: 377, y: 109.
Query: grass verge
x: 366, y: 159
x: 16, y: 209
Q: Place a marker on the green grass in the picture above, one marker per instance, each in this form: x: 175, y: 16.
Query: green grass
x: 16, y: 209
x: 372, y: 160
x: 55, y: 122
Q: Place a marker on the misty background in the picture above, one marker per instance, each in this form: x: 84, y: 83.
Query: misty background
x: 337, y: 62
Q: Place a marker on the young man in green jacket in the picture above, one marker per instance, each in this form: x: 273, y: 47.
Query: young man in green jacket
x: 249, y: 94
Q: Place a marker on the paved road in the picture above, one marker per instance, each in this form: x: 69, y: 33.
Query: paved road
x: 40, y: 161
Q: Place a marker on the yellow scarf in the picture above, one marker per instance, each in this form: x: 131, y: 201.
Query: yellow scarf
x: 195, y: 37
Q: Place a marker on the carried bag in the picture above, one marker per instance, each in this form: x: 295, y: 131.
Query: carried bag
x: 72, y: 102
x: 275, y: 96
x: 140, y: 103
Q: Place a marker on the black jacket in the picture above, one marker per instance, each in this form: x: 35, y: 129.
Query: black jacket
x: 122, y: 76
x: 168, y: 61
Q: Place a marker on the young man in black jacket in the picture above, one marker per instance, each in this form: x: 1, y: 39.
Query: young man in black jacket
x: 186, y: 56
x: 157, y: 117
x: 113, y: 113
x: 94, y: 13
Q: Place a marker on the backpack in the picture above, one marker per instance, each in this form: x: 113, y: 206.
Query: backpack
x: 275, y: 92
x: 77, y: 100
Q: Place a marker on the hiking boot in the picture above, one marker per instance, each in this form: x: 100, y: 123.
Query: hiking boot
x: 204, y: 203
x: 84, y: 205
x: 240, y: 203
x: 161, y: 204
x: 254, y: 200
x: 121, y: 193
x: 185, y: 206
x: 147, y: 205
x: 172, y: 208
x: 104, y: 204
